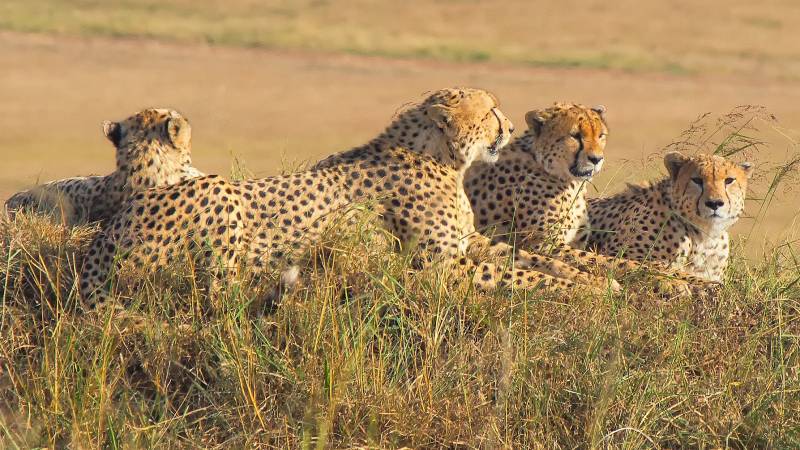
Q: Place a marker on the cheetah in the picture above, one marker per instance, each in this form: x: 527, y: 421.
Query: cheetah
x: 153, y: 148
x: 682, y: 220
x: 534, y: 197
x: 537, y: 188
x: 412, y: 173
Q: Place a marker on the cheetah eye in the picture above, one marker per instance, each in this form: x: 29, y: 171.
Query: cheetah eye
x: 698, y: 181
x: 602, y: 135
x: 729, y: 180
x: 576, y: 135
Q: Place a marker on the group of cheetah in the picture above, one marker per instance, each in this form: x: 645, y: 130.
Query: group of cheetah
x: 446, y: 177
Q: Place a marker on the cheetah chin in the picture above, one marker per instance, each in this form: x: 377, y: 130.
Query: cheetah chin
x: 585, y: 174
x: 493, y: 152
x: 585, y: 171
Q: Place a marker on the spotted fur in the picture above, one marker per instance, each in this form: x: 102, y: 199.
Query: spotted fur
x: 413, y: 173
x: 538, y: 185
x: 153, y: 148
x: 534, y: 197
x: 681, y: 221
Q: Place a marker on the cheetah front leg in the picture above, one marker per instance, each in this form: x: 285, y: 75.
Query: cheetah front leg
x: 594, y: 262
x: 541, y: 263
x: 489, y: 276
x: 669, y: 280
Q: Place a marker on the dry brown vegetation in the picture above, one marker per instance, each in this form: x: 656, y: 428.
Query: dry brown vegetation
x: 370, y: 353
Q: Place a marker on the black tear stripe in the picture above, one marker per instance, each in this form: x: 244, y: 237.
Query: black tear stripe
x: 577, y: 158
x: 699, y: 198
x: 725, y: 188
x: 728, y: 197
x: 497, y: 141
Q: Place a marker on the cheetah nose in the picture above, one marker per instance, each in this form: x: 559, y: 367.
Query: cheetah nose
x: 595, y: 159
x: 714, y: 204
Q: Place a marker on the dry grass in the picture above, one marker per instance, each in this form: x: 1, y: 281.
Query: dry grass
x: 369, y: 353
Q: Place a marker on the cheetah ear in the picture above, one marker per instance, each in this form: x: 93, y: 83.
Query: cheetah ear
x: 535, y: 120
x: 748, y: 168
x: 673, y: 161
x: 442, y: 116
x: 112, y: 131
x: 601, y: 111
x: 179, y: 131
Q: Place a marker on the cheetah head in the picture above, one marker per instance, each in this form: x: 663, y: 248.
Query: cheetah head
x: 708, y: 190
x: 151, y: 130
x: 569, y: 139
x: 468, y: 126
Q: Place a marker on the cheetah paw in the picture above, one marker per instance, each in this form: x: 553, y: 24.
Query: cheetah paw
x: 602, y: 288
x: 672, y: 288
x: 706, y: 289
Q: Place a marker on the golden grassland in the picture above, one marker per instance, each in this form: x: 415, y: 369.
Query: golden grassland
x: 370, y: 353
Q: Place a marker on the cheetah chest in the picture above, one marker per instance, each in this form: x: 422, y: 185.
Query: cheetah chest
x: 566, y: 212
x: 575, y: 225
x: 706, y: 258
x: 465, y: 218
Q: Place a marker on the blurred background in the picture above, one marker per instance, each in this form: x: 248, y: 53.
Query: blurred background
x: 281, y: 83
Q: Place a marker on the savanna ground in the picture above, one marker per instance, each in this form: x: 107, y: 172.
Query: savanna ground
x: 368, y: 354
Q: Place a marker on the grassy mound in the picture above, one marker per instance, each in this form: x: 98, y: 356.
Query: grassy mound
x: 370, y: 353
